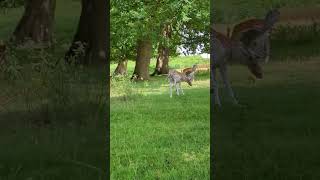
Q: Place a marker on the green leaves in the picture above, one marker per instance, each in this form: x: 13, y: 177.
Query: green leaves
x: 131, y: 20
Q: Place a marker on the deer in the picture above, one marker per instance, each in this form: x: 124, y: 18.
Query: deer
x: 189, y: 70
x: 175, y: 78
x: 241, y: 30
x: 247, y: 46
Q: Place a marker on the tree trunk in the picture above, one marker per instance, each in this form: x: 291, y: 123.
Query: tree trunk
x: 91, y: 34
x: 162, y: 66
x: 144, y: 53
x: 2, y: 53
x: 37, y: 22
x: 121, y: 68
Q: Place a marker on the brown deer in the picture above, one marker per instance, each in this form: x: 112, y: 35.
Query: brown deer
x: 189, y: 70
x: 249, y: 48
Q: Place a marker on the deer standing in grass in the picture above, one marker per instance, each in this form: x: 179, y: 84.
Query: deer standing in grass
x: 175, y: 78
x: 248, y: 45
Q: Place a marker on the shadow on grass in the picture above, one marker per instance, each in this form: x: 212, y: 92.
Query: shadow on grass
x: 273, y: 137
x: 61, y: 143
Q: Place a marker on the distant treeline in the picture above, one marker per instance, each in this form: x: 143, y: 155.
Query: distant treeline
x: 229, y: 11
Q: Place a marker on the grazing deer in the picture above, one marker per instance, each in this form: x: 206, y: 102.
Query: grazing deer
x: 242, y: 30
x: 247, y: 46
x: 175, y: 78
x: 189, y: 70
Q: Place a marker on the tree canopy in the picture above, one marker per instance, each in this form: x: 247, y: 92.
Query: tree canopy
x: 140, y: 19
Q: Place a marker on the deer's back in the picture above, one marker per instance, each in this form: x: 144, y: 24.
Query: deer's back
x: 177, y: 76
x: 245, y: 26
x: 187, y: 70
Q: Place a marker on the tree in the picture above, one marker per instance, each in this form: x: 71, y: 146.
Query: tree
x: 121, y: 68
x: 36, y: 23
x: 144, y: 54
x: 122, y: 37
x: 155, y: 25
x: 188, y: 29
x: 132, y: 33
x: 91, y: 34
x: 162, y: 66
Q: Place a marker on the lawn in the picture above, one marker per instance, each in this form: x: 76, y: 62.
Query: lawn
x: 275, y: 135
x: 52, y: 120
x: 154, y: 136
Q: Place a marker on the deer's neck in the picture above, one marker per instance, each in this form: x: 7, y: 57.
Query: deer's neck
x: 237, y: 54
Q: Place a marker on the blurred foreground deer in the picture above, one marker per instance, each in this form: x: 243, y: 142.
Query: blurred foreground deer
x: 248, y: 45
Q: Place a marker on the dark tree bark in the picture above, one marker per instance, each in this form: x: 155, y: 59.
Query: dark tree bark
x: 2, y: 53
x: 121, y: 68
x: 144, y: 53
x: 162, y: 66
x: 36, y: 23
x: 91, y: 33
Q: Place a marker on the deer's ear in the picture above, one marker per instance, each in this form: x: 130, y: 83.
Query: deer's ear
x: 271, y: 18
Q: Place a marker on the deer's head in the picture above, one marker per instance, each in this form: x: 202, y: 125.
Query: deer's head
x: 271, y: 18
x: 194, y: 67
x: 256, y: 43
x: 189, y: 78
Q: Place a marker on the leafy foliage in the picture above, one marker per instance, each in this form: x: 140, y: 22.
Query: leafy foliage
x: 11, y: 3
x: 137, y: 19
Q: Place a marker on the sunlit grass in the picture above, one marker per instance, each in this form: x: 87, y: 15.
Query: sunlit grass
x: 154, y: 136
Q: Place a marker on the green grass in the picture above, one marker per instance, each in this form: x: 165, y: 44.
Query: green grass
x: 53, y: 127
x: 155, y: 137
x: 276, y: 134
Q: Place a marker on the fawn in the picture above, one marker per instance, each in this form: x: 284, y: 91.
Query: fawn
x: 175, y: 79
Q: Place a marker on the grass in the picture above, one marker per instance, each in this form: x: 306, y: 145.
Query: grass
x: 53, y: 126
x: 155, y: 137
x: 275, y: 135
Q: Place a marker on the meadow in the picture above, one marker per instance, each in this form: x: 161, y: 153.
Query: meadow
x: 52, y: 117
x: 154, y: 136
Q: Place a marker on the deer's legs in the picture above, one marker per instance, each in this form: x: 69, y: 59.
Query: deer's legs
x: 170, y: 89
x: 216, y: 99
x: 175, y: 85
x: 181, y: 89
x: 177, y: 89
x: 223, y: 72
